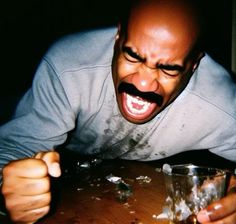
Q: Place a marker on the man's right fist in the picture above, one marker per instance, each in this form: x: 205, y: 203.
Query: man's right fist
x: 26, y: 186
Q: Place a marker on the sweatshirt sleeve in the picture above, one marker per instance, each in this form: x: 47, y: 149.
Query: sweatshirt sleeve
x: 42, y: 120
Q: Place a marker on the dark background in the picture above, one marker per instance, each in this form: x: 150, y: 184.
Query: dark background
x: 28, y: 28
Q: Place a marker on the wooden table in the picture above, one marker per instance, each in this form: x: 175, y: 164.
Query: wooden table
x: 86, y: 195
x: 91, y: 197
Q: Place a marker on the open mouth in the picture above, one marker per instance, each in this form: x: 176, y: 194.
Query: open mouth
x: 136, y: 104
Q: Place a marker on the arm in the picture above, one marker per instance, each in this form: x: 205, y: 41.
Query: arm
x: 41, y: 122
x: 42, y: 119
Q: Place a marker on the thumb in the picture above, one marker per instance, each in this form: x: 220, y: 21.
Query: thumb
x: 54, y: 169
x: 52, y: 160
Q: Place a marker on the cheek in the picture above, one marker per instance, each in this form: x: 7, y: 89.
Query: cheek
x: 124, y: 69
x: 169, y: 85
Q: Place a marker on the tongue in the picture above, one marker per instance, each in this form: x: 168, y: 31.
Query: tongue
x: 138, y: 106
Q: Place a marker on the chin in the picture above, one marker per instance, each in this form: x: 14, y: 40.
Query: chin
x: 136, y: 121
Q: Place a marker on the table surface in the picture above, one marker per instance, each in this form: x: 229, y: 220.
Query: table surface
x: 89, y: 195
x: 85, y: 195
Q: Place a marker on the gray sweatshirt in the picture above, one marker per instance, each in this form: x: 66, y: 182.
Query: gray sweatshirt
x: 73, y: 95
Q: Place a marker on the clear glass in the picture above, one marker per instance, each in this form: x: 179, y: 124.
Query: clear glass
x: 191, y: 188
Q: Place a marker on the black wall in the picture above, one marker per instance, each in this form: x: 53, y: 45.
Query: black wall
x: 27, y: 28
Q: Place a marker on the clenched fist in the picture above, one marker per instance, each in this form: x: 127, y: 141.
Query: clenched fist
x: 26, y: 186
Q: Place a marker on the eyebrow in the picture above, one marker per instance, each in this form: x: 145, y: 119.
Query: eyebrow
x: 169, y: 67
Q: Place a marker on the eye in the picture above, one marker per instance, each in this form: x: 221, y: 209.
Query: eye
x: 131, y: 56
x: 171, y: 70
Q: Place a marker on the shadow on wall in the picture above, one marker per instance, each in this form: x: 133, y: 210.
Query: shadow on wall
x: 29, y: 27
x: 27, y: 30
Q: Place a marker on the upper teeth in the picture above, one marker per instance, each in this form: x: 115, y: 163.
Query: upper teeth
x: 134, y: 100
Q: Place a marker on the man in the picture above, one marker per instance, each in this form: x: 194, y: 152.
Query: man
x: 161, y: 96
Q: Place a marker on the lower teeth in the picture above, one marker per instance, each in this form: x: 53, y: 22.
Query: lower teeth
x: 142, y: 105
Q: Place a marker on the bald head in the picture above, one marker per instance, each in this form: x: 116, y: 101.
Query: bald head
x: 180, y: 17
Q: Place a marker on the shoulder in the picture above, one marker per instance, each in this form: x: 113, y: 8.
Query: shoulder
x: 213, y: 84
x: 87, y: 48
x: 209, y: 66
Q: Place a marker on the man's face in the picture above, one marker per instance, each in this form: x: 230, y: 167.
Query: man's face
x: 151, y: 66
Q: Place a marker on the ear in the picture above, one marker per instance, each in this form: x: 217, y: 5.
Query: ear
x: 118, y: 31
x: 197, y: 60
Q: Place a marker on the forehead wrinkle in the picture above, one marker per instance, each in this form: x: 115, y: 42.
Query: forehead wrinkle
x: 153, y: 50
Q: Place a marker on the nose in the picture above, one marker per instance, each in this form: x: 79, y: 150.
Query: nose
x: 146, y: 79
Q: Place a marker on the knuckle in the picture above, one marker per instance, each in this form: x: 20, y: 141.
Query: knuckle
x: 7, y: 187
x: 39, y: 155
x: 12, y: 205
x: 5, y: 190
x: 8, y: 169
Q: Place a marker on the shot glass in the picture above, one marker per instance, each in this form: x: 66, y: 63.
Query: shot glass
x: 191, y: 188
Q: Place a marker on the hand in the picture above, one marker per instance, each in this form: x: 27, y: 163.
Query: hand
x: 222, y: 211
x: 26, y: 186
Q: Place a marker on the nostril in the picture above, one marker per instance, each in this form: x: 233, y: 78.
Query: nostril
x: 146, y: 79
x: 147, y: 85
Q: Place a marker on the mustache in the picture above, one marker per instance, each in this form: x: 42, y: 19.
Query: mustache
x: 132, y: 90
